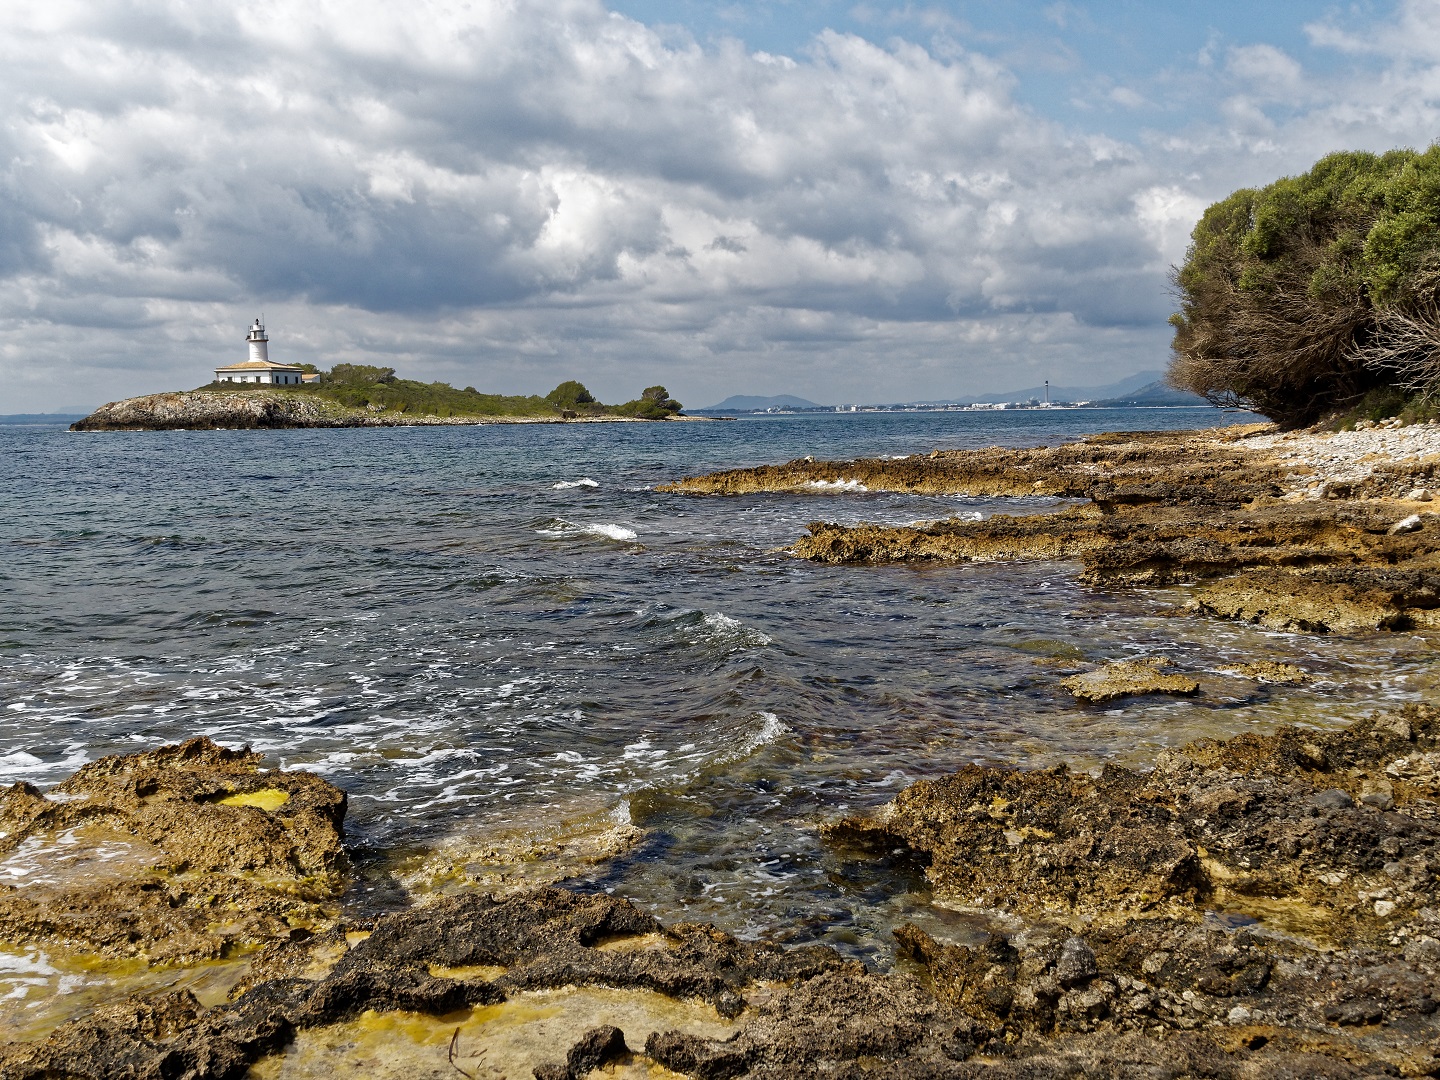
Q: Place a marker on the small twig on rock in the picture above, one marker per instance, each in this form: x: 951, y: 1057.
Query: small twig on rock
x: 454, y: 1043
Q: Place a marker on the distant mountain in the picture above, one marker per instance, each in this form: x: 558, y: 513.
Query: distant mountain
x: 1142, y: 388
x: 43, y: 418
x: 744, y: 403
x: 1155, y: 393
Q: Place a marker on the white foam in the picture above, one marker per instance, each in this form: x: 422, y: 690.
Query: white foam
x: 606, y: 529
x: 771, y: 729
x: 583, y: 482
x: 731, y: 631
x: 29, y: 962
x: 613, y: 532
x: 837, y: 485
x: 20, y: 763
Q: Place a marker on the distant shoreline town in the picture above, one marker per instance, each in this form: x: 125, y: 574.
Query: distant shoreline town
x: 1144, y: 390
x: 978, y: 406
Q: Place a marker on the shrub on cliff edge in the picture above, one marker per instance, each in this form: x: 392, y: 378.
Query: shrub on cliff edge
x: 1302, y: 297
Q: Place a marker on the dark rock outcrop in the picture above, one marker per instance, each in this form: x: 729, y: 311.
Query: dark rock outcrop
x: 1262, y: 907
x: 208, y: 409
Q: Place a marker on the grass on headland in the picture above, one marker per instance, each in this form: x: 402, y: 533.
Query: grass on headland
x: 362, y: 386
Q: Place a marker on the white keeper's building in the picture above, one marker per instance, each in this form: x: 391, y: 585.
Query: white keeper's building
x: 259, y: 369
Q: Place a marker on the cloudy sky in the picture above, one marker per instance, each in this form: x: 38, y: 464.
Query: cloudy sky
x: 848, y: 201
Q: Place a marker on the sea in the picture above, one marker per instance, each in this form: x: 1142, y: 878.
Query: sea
x: 506, y: 631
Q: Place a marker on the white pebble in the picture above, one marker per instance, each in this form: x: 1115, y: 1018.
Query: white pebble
x: 1406, y: 525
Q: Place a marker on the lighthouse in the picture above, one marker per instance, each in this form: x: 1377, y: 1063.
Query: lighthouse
x: 259, y: 343
x: 259, y: 369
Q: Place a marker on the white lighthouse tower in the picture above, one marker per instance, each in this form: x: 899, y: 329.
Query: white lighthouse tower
x: 259, y: 343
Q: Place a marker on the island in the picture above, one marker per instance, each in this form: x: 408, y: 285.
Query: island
x: 358, y: 395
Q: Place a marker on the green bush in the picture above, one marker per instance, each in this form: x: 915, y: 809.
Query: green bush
x: 654, y: 403
x: 1302, y: 297
x: 358, y: 375
x: 570, y: 395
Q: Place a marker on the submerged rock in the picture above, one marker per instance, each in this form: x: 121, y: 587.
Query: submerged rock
x: 1271, y: 671
x: 1124, y: 678
x: 502, y: 865
x: 174, y: 855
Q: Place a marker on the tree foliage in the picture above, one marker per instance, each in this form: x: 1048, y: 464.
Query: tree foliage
x: 1303, y: 296
x: 570, y: 395
x: 358, y: 375
x: 378, y: 388
x: 654, y: 403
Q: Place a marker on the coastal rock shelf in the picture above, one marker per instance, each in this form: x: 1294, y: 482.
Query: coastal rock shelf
x: 1264, y: 906
x: 1300, y: 532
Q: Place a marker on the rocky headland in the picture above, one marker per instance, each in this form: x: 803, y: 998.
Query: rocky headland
x: 250, y: 409
x: 1299, y: 531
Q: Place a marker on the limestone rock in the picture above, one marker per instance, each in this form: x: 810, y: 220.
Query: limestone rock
x: 206, y: 850
x: 1271, y: 671
x: 1413, y: 523
x: 1124, y: 678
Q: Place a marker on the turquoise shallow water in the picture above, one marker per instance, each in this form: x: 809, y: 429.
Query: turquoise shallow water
x: 502, y: 628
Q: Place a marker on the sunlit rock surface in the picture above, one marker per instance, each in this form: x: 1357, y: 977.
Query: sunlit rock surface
x: 179, y: 854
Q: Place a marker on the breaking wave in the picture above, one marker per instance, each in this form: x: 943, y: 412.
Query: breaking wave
x: 728, y: 630
x: 613, y: 532
x: 837, y: 485
x: 608, y: 530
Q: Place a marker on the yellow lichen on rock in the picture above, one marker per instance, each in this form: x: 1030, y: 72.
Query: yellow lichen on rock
x: 270, y: 799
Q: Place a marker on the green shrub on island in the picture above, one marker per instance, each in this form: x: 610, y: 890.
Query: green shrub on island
x: 359, y: 386
x: 1317, y: 294
x: 358, y: 375
x: 362, y: 386
x: 571, y: 395
x: 654, y: 403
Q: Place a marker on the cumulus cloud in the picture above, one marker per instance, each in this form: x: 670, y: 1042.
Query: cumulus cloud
x: 511, y: 194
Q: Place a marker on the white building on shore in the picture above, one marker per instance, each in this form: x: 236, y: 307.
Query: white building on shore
x: 259, y: 369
